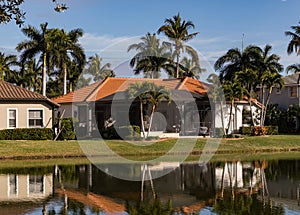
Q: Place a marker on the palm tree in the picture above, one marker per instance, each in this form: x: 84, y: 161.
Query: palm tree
x: 270, y: 80
x: 147, y: 92
x: 6, y: 61
x: 232, y: 91
x: 190, y: 68
x: 216, y: 94
x: 236, y: 60
x: 294, y: 43
x: 30, y: 75
x: 155, y: 96
x: 152, y: 57
x: 293, y: 68
x: 65, y: 49
x: 177, y: 30
x: 269, y: 69
x: 97, y: 70
x: 39, y: 42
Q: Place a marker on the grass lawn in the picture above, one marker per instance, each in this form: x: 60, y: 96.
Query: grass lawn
x: 228, y: 148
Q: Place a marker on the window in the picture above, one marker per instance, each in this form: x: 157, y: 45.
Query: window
x: 293, y: 91
x: 35, y: 118
x: 13, y: 185
x: 12, y: 118
x: 36, y: 184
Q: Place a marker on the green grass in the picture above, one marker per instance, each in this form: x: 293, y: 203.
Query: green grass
x: 143, y: 150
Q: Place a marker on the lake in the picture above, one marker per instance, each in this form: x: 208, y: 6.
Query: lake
x: 252, y: 187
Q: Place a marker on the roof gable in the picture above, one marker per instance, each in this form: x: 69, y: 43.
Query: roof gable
x: 292, y: 79
x: 11, y: 92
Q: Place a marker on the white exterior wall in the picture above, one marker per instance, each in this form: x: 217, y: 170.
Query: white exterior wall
x: 236, y: 119
x: 22, y: 187
x: 22, y: 114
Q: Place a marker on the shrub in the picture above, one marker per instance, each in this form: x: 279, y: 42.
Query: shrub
x: 259, y: 130
x: 68, y: 132
x: 27, y: 134
x: 246, y: 130
x: 272, y: 130
x: 131, y: 132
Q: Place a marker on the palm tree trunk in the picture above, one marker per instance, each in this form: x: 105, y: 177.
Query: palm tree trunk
x: 230, y: 116
x: 267, y: 103
x: 222, y: 117
x: 151, y: 118
x: 142, y: 119
x: 44, y: 73
x: 65, y: 78
x: 263, y: 103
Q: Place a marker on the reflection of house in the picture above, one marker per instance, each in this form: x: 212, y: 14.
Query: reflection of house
x: 21, y: 108
x: 96, y: 103
x: 25, y: 187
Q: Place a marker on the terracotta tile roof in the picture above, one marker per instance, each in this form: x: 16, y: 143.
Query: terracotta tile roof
x: 11, y: 92
x: 79, y: 95
x: 111, y: 86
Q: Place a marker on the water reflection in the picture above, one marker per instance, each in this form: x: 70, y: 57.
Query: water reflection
x: 258, y: 187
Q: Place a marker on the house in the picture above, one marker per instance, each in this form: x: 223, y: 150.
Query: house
x: 240, y: 117
x: 97, y: 103
x: 289, y: 94
x: 21, y: 108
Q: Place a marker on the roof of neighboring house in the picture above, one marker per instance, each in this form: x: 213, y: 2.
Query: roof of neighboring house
x: 11, y: 92
x: 292, y: 79
x: 110, y: 86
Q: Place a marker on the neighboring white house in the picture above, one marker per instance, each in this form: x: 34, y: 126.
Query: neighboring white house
x: 21, y: 108
x: 240, y: 115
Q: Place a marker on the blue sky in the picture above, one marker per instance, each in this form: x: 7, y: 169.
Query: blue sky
x: 111, y: 25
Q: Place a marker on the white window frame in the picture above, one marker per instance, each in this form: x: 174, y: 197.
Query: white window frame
x: 8, y: 185
x: 8, y: 109
x: 43, y: 114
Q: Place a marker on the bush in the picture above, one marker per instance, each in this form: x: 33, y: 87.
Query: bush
x: 272, y: 130
x: 27, y: 134
x: 259, y: 130
x: 132, y: 132
x: 246, y: 130
x: 68, y: 132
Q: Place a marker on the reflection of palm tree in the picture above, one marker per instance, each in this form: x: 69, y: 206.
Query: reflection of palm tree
x: 190, y: 68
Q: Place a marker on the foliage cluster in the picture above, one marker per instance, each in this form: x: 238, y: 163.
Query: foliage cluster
x: 68, y: 131
x: 132, y: 132
x: 27, y: 134
x: 259, y: 130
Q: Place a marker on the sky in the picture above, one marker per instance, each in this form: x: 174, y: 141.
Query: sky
x: 110, y: 26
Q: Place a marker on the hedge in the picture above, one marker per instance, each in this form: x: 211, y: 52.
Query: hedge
x: 27, y: 134
x: 259, y: 130
x: 123, y: 132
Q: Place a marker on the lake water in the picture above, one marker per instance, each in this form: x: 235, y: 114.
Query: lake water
x: 254, y: 187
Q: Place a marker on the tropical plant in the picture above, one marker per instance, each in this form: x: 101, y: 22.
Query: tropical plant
x: 6, y: 62
x: 232, y: 91
x: 152, y: 57
x: 295, y: 68
x: 190, y: 68
x: 65, y: 49
x: 97, y: 70
x: 148, y: 93
x: 294, y: 44
x: 29, y: 75
x: 177, y: 30
x: 39, y: 43
x: 235, y: 61
x: 215, y: 92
